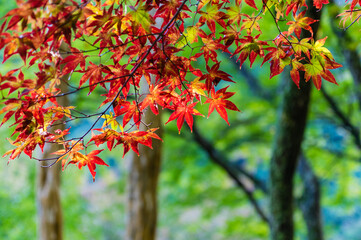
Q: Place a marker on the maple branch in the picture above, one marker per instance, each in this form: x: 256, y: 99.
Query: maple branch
x: 279, y: 29
x: 353, y: 22
x: 76, y: 118
x: 219, y: 159
x: 109, y: 47
x: 79, y: 89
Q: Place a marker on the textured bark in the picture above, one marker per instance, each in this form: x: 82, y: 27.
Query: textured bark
x: 310, y: 200
x: 284, y: 159
x: 142, y: 186
x: 289, y: 136
x: 50, y: 219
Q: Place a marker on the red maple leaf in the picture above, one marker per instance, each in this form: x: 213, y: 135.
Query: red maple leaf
x: 72, y: 61
x: 318, y: 3
x: 299, y: 23
x: 214, y: 76
x: 249, y: 3
x: 89, y: 160
x: 132, y: 139
x: 250, y: 47
x: 184, y: 111
x: 353, y: 4
x: 94, y: 74
x: 129, y: 110
x: 218, y: 101
x: 153, y: 99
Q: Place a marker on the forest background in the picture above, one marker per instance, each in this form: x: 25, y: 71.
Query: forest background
x: 197, y: 198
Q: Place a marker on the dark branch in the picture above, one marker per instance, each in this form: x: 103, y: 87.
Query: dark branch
x: 233, y: 173
x: 354, y: 131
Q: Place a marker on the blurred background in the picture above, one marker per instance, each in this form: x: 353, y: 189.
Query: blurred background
x: 197, y: 197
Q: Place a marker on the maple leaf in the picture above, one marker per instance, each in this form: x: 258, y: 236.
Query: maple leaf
x: 142, y: 18
x: 110, y: 120
x: 70, y: 149
x: 168, y: 9
x: 153, y: 99
x: 230, y: 36
x: 319, y: 49
x: 132, y: 139
x: 90, y: 160
x: 249, y: 3
x: 10, y: 104
x: 211, y: 15
x: 23, y: 14
x: 189, y: 36
x: 280, y: 57
x: 72, y: 61
x: 353, y: 4
x: 295, y: 5
x: 214, y: 76
x: 197, y: 88
x: 192, y: 33
x: 301, y: 46
x: 318, y: 68
x: 295, y: 72
x: 319, y: 3
x: 219, y: 102
x: 234, y: 14
x: 250, y: 23
x: 250, y: 47
x: 210, y: 47
x: 17, y: 45
x: 108, y: 135
x: 183, y: 111
x: 130, y: 110
x: 129, y: 140
x: 299, y: 23
x: 12, y: 83
x: 26, y: 144
x: 94, y: 74
x: 99, y: 19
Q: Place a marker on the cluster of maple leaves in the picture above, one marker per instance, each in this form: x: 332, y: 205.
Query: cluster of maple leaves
x: 160, y: 41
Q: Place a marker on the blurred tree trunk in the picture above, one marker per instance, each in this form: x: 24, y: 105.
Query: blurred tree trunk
x: 290, y: 130
x: 50, y: 218
x: 310, y: 200
x: 48, y: 199
x: 142, y: 185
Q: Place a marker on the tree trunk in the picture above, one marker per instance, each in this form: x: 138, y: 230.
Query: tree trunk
x: 48, y: 199
x: 310, y: 200
x: 142, y: 186
x: 50, y: 218
x: 290, y: 131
